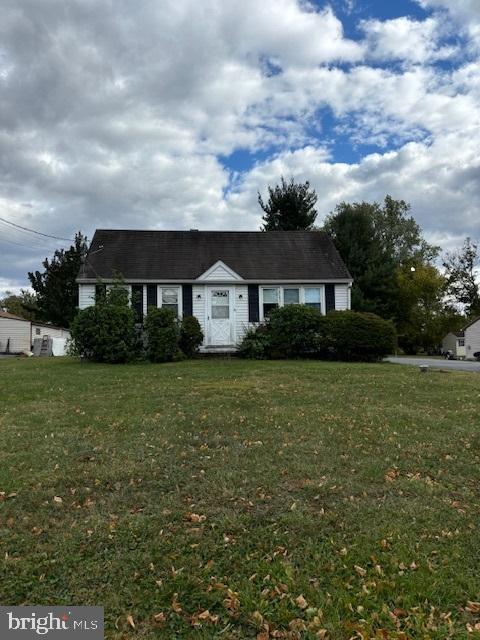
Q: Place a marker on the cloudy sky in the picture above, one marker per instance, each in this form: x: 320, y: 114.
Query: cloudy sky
x: 171, y: 114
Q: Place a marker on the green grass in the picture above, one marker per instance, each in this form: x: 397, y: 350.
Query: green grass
x: 236, y: 487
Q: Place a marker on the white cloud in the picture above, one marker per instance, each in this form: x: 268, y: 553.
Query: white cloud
x: 403, y: 38
x: 121, y: 118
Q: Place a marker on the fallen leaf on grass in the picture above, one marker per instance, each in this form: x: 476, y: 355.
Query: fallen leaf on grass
x: 176, y: 606
x: 302, y: 603
x: 160, y: 618
x: 360, y: 570
x: 58, y: 499
x: 472, y: 607
x: 131, y: 622
x: 195, y: 517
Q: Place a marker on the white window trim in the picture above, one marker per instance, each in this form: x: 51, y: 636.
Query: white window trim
x: 280, y: 295
x: 179, y: 296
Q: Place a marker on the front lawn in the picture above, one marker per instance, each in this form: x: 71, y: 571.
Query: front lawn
x: 236, y: 499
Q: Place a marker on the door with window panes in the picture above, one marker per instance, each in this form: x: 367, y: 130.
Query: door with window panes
x: 220, y: 316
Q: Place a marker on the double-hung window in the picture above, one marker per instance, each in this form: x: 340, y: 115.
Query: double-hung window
x: 169, y: 298
x: 291, y: 295
x: 270, y: 300
x: 313, y: 297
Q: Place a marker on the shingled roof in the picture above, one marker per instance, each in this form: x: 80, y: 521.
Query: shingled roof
x: 185, y: 255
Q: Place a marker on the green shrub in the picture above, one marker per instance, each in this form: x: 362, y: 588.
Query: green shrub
x: 350, y: 335
x: 256, y: 344
x: 106, y: 332
x: 163, y: 334
x: 294, y: 331
x: 297, y: 331
x: 191, y: 336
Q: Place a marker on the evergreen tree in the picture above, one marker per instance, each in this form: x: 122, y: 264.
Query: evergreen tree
x: 56, y: 288
x: 461, y: 267
x: 290, y: 207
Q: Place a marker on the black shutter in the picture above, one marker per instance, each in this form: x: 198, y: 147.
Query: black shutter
x: 187, y: 299
x: 100, y: 291
x: 137, y: 301
x: 253, y: 303
x: 151, y: 295
x: 329, y: 297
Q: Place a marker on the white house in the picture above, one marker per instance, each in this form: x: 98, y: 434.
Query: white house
x: 472, y: 338
x: 229, y: 280
x: 17, y: 334
x: 454, y: 342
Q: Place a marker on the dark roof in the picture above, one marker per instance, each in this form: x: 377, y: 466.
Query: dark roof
x: 11, y: 316
x: 185, y: 255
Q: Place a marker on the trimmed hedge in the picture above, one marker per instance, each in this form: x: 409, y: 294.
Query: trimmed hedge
x: 297, y: 331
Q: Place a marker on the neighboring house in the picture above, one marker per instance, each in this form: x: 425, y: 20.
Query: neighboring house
x: 228, y: 280
x: 454, y: 342
x: 17, y: 334
x: 472, y: 338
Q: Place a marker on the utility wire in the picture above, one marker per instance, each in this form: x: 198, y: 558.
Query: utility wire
x: 39, y: 233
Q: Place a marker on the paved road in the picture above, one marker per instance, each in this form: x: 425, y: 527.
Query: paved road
x: 456, y: 365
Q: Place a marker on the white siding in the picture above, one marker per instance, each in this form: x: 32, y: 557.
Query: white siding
x: 472, y: 339
x: 198, y: 306
x: 18, y: 331
x: 241, y: 312
x: 341, y: 297
x: 53, y: 332
x: 86, y: 295
x: 218, y: 274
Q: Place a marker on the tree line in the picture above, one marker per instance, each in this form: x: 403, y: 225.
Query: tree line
x: 397, y: 274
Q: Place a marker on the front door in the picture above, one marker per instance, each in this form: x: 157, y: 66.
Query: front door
x: 220, y: 316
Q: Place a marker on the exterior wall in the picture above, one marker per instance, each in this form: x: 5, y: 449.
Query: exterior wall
x: 53, y: 332
x: 472, y: 339
x: 199, y: 304
x: 342, y: 297
x: 18, y: 331
x: 86, y: 295
x: 241, y: 312
x: 449, y: 342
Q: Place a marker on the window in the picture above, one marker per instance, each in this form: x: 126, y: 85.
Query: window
x: 312, y: 297
x: 37, y: 331
x: 461, y: 342
x: 220, y: 305
x: 291, y: 296
x: 270, y: 301
x: 169, y: 298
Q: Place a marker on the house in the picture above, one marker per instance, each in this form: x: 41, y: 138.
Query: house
x: 454, y: 342
x: 17, y: 334
x: 472, y: 338
x: 229, y: 280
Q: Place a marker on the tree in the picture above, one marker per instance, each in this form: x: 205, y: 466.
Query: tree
x: 460, y: 268
x: 290, y: 207
x: 372, y: 266
x: 422, y: 312
x: 400, y: 233
x: 23, y: 304
x: 376, y: 242
x: 56, y: 288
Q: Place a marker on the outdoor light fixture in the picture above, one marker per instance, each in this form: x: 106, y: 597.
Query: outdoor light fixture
x: 240, y: 297
x: 412, y: 269
x: 199, y: 296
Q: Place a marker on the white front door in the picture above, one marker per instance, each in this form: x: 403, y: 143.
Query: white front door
x: 220, y: 316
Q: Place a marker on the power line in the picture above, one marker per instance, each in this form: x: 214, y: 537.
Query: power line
x: 39, y: 233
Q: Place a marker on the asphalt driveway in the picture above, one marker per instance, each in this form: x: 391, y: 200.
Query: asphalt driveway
x: 456, y: 365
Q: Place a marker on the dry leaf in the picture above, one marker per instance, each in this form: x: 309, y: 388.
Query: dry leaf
x: 131, y: 622
x: 360, y: 570
x: 302, y: 603
x: 57, y: 499
x: 473, y: 607
x: 195, y: 517
x: 175, y: 604
x: 159, y: 617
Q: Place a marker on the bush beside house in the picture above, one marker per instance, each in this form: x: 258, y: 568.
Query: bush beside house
x: 296, y: 331
x: 107, y: 332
